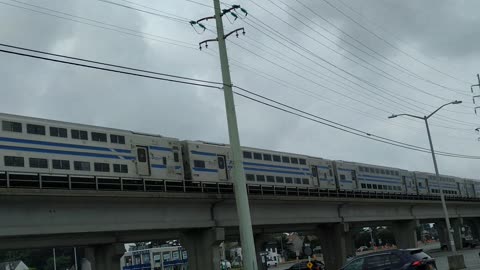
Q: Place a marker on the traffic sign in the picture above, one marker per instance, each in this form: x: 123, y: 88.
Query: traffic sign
x: 309, y: 265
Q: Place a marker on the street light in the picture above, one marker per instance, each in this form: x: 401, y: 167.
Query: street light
x: 442, y: 196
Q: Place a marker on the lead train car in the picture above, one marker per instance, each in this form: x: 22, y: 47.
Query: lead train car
x: 33, y: 145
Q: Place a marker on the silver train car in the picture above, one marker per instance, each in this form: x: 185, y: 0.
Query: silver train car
x: 33, y: 146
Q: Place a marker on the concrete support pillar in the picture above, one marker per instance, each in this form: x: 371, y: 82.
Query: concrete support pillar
x: 334, y: 244
x: 102, y: 257
x: 457, y: 224
x: 260, y: 240
x: 442, y: 234
x: 203, y: 247
x: 405, y: 233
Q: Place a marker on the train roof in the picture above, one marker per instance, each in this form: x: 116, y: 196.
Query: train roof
x: 72, y: 124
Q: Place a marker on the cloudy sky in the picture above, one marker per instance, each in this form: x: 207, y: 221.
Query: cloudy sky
x: 354, y: 62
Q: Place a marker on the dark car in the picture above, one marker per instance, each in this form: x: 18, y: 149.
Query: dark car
x: 317, y: 265
x: 398, y: 259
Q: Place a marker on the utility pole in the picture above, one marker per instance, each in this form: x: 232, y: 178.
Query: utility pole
x: 241, y: 197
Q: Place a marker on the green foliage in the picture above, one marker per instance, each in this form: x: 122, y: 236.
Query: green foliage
x: 63, y: 262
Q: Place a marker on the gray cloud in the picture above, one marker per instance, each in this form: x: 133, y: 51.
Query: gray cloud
x: 443, y: 33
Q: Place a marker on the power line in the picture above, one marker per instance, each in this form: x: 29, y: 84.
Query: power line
x: 390, y: 62
x: 333, y: 65
x: 345, y: 128
x: 108, y: 69
x: 107, y: 64
x: 341, y: 76
x: 131, y: 33
x: 342, y: 127
x: 390, y: 44
x: 182, y: 20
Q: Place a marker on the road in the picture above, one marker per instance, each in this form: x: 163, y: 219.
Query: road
x: 472, y: 259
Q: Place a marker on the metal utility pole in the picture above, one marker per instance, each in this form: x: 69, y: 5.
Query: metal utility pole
x: 442, y: 196
x: 241, y: 197
x: 54, y: 260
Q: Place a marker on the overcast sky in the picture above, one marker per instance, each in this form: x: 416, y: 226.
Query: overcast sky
x: 414, y: 51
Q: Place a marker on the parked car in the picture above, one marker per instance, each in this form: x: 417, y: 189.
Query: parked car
x: 272, y: 263
x: 225, y: 265
x: 398, y: 259
x: 317, y: 265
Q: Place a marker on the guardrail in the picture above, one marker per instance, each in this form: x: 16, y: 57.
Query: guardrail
x: 102, y: 183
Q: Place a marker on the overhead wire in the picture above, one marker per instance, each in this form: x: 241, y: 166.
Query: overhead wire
x: 392, y: 45
x: 100, y: 25
x: 366, y: 135
x: 385, y: 60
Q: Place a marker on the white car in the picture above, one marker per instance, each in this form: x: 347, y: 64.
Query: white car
x: 272, y: 263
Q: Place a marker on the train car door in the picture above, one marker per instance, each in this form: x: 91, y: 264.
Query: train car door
x: 143, y: 161
x: 354, y: 180
x: 315, y: 176
x: 222, y: 167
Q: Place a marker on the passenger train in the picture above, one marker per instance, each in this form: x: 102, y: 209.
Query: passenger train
x: 31, y: 146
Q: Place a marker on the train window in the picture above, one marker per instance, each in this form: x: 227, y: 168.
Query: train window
x: 247, y: 154
x: 199, y: 164
x: 385, y: 187
x: 369, y: 185
x: 35, y: 129
x: 120, y: 168
x: 99, y: 137
x: 142, y: 155
x: 267, y: 157
x: 302, y: 161
x: 164, y: 159
x: 61, y: 164
x: 330, y: 172
x: 389, y: 187
x: 374, y: 186
x: 288, y: 180
x: 276, y: 158
x: 260, y: 178
x: 342, y: 177
x: 14, y: 161
x: 364, y: 186
x: 221, y: 162
x: 314, y: 171
x: 176, y: 157
x: 58, y: 132
x: 396, y: 173
x: 382, y: 171
x: 294, y: 160
x: 377, y: 170
x: 279, y: 179
x: 11, y: 126
x: 388, y: 172
x: 101, y: 167
x: 285, y: 159
x: 117, y: 139
x: 257, y: 156
x: 305, y: 181
x: 270, y: 179
x: 380, y: 187
x: 360, y: 169
x: 38, y: 162
x: 250, y: 177
x: 298, y: 181
x: 81, y: 166
x: 79, y: 134
x: 372, y: 170
x: 419, y: 184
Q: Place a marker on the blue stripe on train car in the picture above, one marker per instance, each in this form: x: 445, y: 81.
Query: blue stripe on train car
x: 380, y: 181
x: 204, y: 169
x: 59, y: 152
x: 203, y: 153
x: 273, y: 166
x: 66, y: 145
x: 158, y: 148
x: 275, y: 171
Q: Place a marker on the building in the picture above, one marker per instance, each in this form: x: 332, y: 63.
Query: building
x: 13, y: 265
